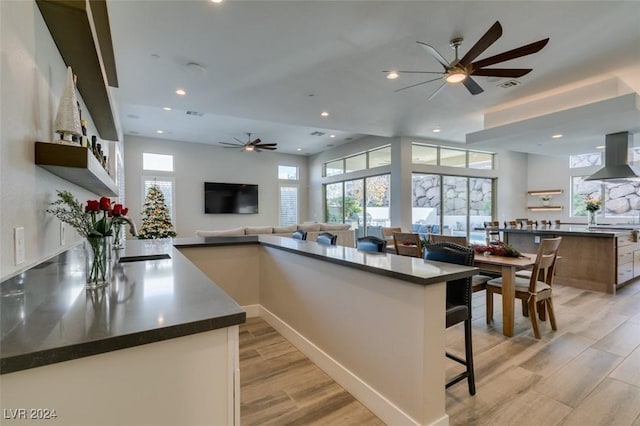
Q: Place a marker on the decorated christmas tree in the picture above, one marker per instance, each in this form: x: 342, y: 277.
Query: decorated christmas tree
x: 156, y: 220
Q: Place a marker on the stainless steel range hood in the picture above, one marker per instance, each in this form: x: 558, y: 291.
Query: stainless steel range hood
x: 616, y: 154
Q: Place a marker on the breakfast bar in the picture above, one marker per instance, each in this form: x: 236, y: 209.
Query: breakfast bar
x: 373, y: 321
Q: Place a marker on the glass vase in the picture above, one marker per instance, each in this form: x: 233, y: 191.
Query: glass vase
x: 97, y: 261
x: 117, y: 239
x: 591, y: 218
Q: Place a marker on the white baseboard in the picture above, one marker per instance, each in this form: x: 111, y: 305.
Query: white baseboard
x: 386, y: 410
x: 252, y: 310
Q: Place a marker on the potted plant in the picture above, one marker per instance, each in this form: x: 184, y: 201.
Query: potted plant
x: 545, y: 199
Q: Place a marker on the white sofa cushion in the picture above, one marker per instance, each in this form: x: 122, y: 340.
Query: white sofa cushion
x: 285, y: 229
x: 235, y: 232
x: 309, y: 228
x: 254, y: 230
x: 334, y: 226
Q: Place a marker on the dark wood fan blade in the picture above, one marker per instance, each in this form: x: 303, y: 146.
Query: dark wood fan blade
x: 235, y: 146
x: 502, y: 72
x: 268, y: 148
x: 266, y: 144
x: 232, y: 144
x: 433, y: 52
x: 433, y: 95
x: 471, y: 85
x: 255, y: 142
x: 511, y: 54
x: 417, y: 72
x: 483, y: 44
x: 419, y: 84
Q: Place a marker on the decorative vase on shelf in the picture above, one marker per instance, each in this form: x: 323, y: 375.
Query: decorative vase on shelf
x: 97, y: 255
x: 591, y: 218
x: 67, y: 121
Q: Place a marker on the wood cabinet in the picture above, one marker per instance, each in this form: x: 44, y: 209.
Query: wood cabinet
x: 628, y: 258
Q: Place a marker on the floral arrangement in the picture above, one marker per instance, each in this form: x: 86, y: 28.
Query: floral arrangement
x: 592, y: 204
x: 497, y: 248
x: 545, y: 197
x: 98, y: 218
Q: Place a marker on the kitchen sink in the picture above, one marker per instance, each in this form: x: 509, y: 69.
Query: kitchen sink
x: 143, y: 258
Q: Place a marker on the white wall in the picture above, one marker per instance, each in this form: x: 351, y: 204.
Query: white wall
x: 32, y: 78
x: 195, y: 164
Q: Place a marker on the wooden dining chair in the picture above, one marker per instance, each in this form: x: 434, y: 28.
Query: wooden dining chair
x: 535, y: 289
x: 387, y: 233
x: 455, y: 239
x: 371, y: 243
x: 407, y: 244
x: 458, y: 304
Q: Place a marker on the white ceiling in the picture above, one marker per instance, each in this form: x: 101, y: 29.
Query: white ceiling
x: 271, y: 67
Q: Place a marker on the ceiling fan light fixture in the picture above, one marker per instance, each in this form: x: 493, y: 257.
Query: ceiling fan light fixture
x: 456, y: 76
x: 248, y: 148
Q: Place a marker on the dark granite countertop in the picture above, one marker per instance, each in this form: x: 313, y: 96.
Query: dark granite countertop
x: 55, y: 319
x: 584, y: 230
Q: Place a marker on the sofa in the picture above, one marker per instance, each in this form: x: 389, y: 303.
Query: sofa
x: 346, y: 236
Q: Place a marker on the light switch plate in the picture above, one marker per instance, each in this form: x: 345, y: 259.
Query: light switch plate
x: 18, y: 245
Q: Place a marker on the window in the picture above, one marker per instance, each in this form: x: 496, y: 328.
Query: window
x: 423, y: 154
x: 380, y: 157
x: 334, y: 168
x: 434, y: 155
x: 363, y: 203
x: 585, y: 160
x: 373, y: 158
x: 453, y: 157
x: 288, y: 214
x: 166, y: 187
x: 620, y: 199
x: 355, y: 163
x: 160, y: 162
x: 451, y: 205
x: 288, y: 172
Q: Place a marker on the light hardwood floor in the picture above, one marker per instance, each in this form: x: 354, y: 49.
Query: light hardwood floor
x: 586, y: 373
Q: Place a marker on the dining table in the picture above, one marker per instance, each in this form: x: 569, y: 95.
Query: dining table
x: 507, y: 267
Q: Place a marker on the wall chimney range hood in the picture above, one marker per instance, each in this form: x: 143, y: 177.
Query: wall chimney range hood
x: 616, y: 154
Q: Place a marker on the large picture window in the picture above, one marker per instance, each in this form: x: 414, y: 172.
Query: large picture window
x: 437, y: 155
x: 367, y: 160
x: 619, y: 199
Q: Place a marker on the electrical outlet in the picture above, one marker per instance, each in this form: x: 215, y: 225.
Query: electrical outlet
x: 536, y: 239
x: 62, y: 234
x: 18, y: 245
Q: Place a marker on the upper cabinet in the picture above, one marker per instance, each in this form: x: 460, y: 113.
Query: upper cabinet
x: 80, y: 29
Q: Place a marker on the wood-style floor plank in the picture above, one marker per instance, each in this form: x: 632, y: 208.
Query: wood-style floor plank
x: 586, y: 372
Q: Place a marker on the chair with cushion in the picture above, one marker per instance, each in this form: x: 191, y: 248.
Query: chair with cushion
x: 371, y: 243
x: 387, y: 233
x: 458, y: 301
x: 535, y: 289
x: 438, y: 238
x: 299, y: 235
x: 407, y: 244
x: 327, y: 238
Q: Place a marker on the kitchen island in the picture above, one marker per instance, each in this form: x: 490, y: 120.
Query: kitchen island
x: 600, y: 258
x: 159, y: 345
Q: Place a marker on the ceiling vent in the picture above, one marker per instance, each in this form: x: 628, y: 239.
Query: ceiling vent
x: 195, y: 113
x: 316, y: 133
x: 509, y: 83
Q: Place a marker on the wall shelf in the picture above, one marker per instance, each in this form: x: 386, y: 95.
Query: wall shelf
x: 540, y: 192
x: 544, y: 208
x: 81, y: 31
x: 77, y: 165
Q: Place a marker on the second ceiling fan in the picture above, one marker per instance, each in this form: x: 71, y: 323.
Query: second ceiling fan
x: 251, y: 145
x: 461, y: 70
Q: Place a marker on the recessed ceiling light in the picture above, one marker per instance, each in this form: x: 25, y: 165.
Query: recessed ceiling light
x: 600, y: 147
x: 159, y: 132
x: 324, y: 114
x: 299, y: 149
x: 216, y: 1
x: 180, y: 92
x: 332, y: 136
x: 436, y: 130
x: 392, y: 75
x: 166, y: 109
x: 557, y: 136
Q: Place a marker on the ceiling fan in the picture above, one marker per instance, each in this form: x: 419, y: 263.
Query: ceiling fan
x: 250, y: 145
x: 461, y: 70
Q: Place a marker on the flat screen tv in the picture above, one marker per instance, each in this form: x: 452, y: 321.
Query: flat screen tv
x: 237, y: 198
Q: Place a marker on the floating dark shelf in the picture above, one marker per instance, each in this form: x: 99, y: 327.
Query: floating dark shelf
x: 77, y: 165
